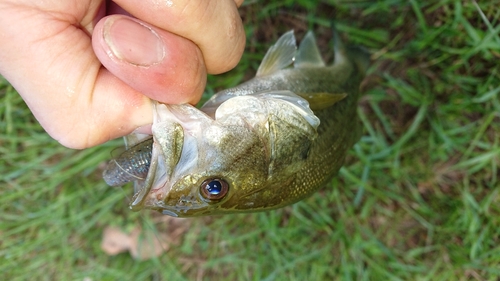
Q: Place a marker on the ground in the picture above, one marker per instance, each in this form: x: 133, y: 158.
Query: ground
x: 418, y: 197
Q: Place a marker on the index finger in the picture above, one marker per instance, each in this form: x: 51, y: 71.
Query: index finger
x: 214, y: 25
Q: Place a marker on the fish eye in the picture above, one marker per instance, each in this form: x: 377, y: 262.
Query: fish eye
x: 214, y: 189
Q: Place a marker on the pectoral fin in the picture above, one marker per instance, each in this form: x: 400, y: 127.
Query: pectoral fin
x: 319, y: 101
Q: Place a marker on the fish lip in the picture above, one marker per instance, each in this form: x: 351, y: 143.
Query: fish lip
x: 140, y: 197
x: 169, y: 213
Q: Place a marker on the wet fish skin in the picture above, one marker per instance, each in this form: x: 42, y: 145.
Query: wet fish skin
x: 265, y: 142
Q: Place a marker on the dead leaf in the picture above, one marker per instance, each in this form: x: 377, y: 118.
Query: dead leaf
x: 115, y: 241
x: 146, y: 244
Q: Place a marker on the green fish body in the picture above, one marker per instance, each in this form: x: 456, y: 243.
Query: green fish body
x: 265, y: 144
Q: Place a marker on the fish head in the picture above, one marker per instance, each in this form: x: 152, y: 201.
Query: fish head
x: 234, y: 161
x: 200, y: 166
x: 220, y: 172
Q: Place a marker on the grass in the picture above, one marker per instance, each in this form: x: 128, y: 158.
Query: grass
x: 418, y: 197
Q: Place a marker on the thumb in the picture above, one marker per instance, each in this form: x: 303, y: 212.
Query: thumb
x: 157, y: 63
x: 47, y: 56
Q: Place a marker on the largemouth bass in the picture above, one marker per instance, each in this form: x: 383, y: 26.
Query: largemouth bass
x: 267, y: 143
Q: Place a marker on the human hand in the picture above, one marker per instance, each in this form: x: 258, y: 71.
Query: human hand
x: 53, y: 53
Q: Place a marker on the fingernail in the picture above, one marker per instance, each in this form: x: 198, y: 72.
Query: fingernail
x: 133, y: 42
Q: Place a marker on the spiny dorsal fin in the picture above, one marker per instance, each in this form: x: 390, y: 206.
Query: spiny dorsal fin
x: 319, y: 101
x: 308, y: 54
x: 279, y: 56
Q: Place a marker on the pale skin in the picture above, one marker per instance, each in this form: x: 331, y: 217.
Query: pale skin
x: 88, y: 69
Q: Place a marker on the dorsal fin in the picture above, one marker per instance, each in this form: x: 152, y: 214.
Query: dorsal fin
x: 308, y: 54
x: 338, y: 47
x: 279, y: 56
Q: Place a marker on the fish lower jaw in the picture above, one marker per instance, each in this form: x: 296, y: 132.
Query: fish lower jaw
x: 169, y: 213
x: 139, y: 199
x: 161, y: 207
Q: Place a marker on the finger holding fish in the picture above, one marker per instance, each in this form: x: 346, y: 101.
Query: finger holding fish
x: 200, y: 21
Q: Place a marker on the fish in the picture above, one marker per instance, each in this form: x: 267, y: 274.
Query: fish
x: 264, y: 144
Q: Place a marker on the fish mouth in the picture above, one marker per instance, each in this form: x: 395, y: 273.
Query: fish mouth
x: 145, y: 187
x: 169, y: 213
x: 139, y: 198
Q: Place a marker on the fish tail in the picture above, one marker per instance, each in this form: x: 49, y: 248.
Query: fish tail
x: 357, y: 54
x: 360, y: 56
